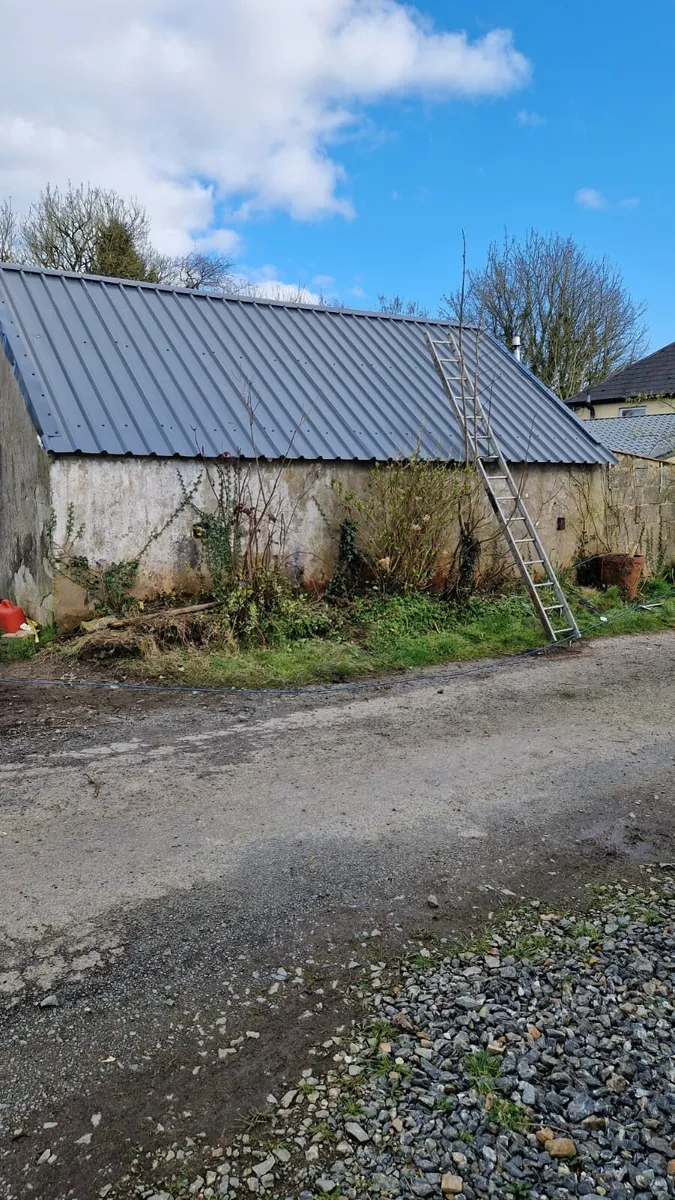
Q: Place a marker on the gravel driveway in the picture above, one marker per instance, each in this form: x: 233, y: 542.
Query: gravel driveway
x: 534, y: 1061
x: 166, y: 857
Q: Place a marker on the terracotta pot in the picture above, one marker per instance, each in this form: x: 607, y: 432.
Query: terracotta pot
x: 622, y: 570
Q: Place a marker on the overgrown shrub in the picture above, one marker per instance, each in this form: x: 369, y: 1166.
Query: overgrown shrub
x: 266, y: 611
x: 242, y: 539
x: 402, y: 526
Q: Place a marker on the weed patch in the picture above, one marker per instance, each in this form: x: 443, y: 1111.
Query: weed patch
x: 264, y: 634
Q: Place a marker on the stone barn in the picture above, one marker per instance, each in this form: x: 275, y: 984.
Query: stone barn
x: 116, y: 396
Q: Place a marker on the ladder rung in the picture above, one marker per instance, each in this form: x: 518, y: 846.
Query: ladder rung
x: 519, y: 541
x: 552, y: 607
x: 540, y: 585
x: 566, y: 629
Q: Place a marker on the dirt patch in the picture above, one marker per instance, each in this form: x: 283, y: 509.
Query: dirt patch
x: 225, y: 837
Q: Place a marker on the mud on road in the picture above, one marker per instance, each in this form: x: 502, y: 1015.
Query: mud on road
x: 179, y: 871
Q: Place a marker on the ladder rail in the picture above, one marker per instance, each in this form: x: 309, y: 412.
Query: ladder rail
x: 521, y: 562
x: 480, y: 433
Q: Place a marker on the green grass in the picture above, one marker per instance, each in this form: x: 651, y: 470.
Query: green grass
x: 584, y: 929
x: 507, y: 1115
x: 371, y: 637
x: 482, y: 1069
x: 532, y: 946
x: 382, y: 1065
x: 14, y: 650
x: 397, y: 633
x: 518, y: 1189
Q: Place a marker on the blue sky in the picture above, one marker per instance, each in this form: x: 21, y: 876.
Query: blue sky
x: 343, y: 144
x: 603, y: 88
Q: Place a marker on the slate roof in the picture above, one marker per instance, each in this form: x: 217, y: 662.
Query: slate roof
x: 114, y: 367
x: 647, y: 437
x: 650, y: 376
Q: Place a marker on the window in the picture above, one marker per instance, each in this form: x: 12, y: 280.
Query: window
x: 638, y: 410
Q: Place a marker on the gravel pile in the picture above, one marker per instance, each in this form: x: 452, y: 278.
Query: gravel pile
x: 534, y: 1062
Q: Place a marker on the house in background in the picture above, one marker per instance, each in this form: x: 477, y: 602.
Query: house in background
x: 643, y: 437
x: 645, y: 388
x: 116, y: 396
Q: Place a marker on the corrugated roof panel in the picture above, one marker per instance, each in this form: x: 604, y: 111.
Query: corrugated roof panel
x: 649, y: 436
x: 113, y: 367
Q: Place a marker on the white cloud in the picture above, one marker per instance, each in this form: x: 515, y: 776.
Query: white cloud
x: 275, y: 289
x: 591, y: 198
x: 596, y: 201
x: 223, y: 241
x: 212, y: 110
x: 530, y: 118
x: 323, y: 281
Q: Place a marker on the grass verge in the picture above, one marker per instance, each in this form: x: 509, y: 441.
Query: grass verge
x: 380, y: 636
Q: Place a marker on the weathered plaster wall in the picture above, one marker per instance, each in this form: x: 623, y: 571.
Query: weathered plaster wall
x: 25, y: 577
x: 630, y: 507
x: 120, y: 501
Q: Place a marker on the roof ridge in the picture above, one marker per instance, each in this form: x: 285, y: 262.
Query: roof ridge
x: 230, y: 297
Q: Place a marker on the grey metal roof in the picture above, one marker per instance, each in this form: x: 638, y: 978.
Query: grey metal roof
x: 647, y: 437
x: 650, y: 376
x: 113, y: 367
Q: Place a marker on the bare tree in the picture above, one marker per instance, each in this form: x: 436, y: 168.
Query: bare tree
x: 202, y: 272
x: 396, y: 306
x: 575, y: 317
x: 95, y: 231
x: 280, y: 292
x: 66, y: 230
x: 10, y: 241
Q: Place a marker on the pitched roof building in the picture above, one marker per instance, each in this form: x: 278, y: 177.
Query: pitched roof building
x: 645, y: 388
x: 114, y: 395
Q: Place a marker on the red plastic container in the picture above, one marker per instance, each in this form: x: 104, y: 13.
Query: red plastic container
x: 11, y: 617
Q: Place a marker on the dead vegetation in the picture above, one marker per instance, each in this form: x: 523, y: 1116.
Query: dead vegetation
x: 149, y: 635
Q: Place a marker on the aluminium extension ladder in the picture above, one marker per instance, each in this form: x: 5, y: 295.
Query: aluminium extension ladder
x: 505, y: 497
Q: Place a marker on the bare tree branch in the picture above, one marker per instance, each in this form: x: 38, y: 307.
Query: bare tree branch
x: 201, y: 272
x: 396, y: 306
x: 10, y: 240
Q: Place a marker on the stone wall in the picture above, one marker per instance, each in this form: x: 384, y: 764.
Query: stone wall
x: 628, y: 508
x: 25, y: 577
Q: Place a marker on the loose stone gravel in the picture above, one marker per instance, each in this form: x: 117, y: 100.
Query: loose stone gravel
x: 535, y: 1061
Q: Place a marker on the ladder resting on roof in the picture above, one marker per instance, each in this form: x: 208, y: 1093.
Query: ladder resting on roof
x: 505, y: 496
